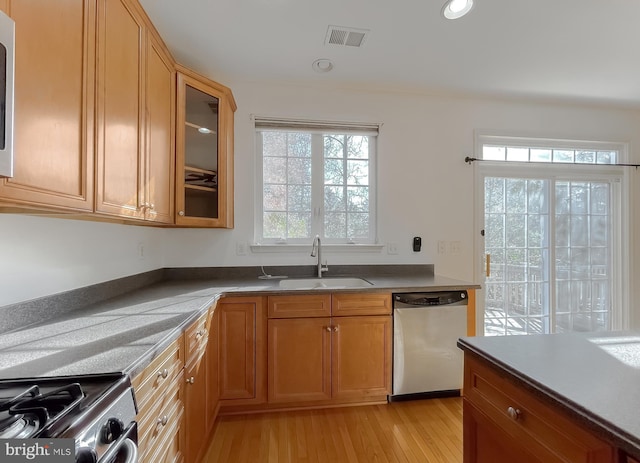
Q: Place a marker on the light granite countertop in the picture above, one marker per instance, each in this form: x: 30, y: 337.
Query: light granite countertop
x: 125, y: 333
x: 593, y: 377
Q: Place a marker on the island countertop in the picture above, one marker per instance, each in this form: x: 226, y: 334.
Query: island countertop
x: 594, y: 377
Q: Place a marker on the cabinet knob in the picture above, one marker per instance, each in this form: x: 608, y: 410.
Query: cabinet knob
x: 163, y: 374
x: 163, y: 421
x: 335, y: 329
x: 200, y: 333
x: 514, y: 413
x: 152, y: 206
x: 181, y: 213
x: 329, y: 328
x: 191, y: 380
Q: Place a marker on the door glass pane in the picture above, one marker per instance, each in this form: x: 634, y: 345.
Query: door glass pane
x: 201, y: 154
x: 583, y: 259
x: 516, y: 238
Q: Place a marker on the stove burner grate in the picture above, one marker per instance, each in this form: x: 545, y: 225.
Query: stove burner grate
x: 29, y: 412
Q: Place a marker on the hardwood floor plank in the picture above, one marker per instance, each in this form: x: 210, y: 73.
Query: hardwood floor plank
x: 421, y: 431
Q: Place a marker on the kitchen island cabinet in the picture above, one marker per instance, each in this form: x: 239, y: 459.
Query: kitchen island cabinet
x: 551, y: 398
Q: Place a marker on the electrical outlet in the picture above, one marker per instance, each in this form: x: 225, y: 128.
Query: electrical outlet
x: 241, y: 248
x: 455, y: 247
x: 141, y: 251
x: 392, y: 248
x: 442, y: 247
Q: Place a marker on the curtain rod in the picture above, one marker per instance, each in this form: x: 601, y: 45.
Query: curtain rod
x: 469, y: 160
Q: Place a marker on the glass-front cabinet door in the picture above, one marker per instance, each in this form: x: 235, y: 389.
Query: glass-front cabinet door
x: 204, y: 193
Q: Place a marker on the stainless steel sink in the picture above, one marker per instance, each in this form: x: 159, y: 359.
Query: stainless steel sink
x: 324, y: 283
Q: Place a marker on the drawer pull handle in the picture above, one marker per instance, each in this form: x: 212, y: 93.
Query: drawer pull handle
x: 514, y: 413
x: 191, y: 380
x: 200, y: 333
x: 163, y: 421
x: 163, y: 374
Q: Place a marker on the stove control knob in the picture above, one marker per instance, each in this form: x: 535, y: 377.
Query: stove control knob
x: 112, y: 429
x: 86, y: 455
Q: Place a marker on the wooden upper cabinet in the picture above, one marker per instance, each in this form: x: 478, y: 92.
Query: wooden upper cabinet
x: 54, y: 105
x: 135, y: 116
x: 160, y: 152
x: 204, y: 157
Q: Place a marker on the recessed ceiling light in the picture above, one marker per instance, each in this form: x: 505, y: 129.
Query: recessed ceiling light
x: 322, y: 65
x: 455, y: 9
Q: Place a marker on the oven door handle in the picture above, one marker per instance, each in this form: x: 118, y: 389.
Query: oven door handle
x: 123, y: 442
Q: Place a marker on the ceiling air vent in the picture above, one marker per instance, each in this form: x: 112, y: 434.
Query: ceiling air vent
x: 345, y: 36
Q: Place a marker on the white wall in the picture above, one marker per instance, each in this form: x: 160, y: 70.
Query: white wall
x: 425, y: 188
x: 42, y: 255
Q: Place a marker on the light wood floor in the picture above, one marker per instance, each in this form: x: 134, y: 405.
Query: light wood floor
x: 425, y: 431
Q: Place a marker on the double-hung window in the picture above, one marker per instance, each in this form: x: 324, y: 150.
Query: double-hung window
x: 315, y: 178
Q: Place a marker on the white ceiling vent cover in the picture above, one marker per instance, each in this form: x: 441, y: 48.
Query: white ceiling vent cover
x: 346, y: 36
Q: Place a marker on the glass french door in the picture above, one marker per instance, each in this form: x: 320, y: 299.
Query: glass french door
x: 548, y: 255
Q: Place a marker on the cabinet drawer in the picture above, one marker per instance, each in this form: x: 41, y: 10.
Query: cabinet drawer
x: 196, y: 337
x: 167, y: 448
x: 162, y: 420
x: 360, y: 304
x: 150, y: 384
x: 313, y: 305
x: 549, y: 435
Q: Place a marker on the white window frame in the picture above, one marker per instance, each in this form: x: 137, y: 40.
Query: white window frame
x: 617, y: 175
x: 315, y: 127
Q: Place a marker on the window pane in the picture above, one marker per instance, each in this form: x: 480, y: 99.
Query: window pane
x: 333, y: 172
x: 586, y: 157
x: 299, y: 170
x: 335, y: 225
x: 299, y: 198
x: 606, y: 157
x: 357, y: 199
x: 334, y: 146
x: 274, y: 144
x: 275, y: 198
x: 493, y: 153
x: 517, y: 154
x: 563, y: 155
x: 494, y: 194
x: 274, y: 225
x: 358, y: 226
x: 540, y: 155
x: 334, y: 199
x: 358, y: 172
x: 300, y: 144
x: 299, y: 225
x: 275, y: 170
x: 358, y: 147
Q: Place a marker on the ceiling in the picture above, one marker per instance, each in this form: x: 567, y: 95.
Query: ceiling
x: 570, y: 50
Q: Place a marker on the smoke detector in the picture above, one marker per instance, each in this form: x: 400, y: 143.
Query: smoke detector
x: 346, y: 36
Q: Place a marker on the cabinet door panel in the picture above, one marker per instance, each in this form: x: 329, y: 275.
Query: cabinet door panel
x: 361, y: 356
x: 299, y: 359
x: 160, y: 147
x: 120, y: 115
x: 213, y: 383
x: 195, y: 407
x: 54, y: 105
x: 242, y: 354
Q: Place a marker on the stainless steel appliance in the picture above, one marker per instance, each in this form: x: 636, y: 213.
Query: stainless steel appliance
x: 7, y: 34
x: 426, y: 327
x: 98, y: 411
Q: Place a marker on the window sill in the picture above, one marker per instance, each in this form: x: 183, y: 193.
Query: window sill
x: 338, y: 248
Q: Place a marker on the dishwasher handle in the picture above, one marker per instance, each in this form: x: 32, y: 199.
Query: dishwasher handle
x: 429, y: 299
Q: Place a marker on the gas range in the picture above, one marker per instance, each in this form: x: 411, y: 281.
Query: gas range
x: 98, y: 411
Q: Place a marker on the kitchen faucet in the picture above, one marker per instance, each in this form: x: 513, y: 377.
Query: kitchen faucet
x: 317, y: 247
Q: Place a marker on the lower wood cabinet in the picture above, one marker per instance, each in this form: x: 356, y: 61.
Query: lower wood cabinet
x: 242, y: 357
x: 321, y: 358
x: 159, y: 394
x: 505, y: 423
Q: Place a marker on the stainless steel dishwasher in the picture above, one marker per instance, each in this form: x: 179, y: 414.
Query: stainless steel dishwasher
x: 426, y: 327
